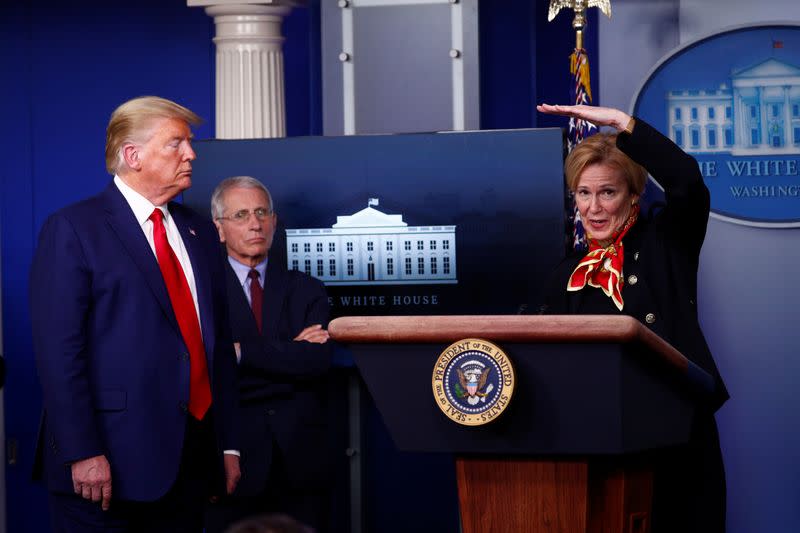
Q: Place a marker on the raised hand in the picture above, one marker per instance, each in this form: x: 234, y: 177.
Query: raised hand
x: 599, y: 116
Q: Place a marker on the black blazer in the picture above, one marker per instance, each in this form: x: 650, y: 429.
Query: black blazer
x: 661, y: 256
x: 281, y: 381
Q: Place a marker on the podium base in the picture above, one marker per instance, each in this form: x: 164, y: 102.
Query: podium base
x: 593, y: 495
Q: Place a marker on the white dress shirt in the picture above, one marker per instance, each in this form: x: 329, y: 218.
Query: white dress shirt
x: 142, y: 209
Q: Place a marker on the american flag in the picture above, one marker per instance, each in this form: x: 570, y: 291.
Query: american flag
x: 580, y: 93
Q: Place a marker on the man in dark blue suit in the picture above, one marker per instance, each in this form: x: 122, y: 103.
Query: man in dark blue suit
x: 132, y: 342
x: 278, y: 320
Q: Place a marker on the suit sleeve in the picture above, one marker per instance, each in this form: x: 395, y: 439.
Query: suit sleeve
x: 288, y: 358
x: 688, y: 199
x: 60, y: 301
x: 227, y: 392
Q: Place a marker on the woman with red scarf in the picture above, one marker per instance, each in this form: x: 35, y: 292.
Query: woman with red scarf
x: 646, y: 267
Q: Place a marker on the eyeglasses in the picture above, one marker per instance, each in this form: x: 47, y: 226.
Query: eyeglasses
x: 243, y: 215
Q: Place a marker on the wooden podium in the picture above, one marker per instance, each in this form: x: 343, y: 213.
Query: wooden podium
x: 596, y: 397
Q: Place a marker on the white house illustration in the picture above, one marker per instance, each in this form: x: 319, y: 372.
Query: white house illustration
x: 758, y: 114
x: 373, y: 248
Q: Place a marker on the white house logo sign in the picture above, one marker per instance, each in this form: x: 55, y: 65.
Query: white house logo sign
x: 371, y: 247
x: 732, y: 100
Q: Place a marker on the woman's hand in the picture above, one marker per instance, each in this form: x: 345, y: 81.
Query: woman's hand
x: 599, y: 116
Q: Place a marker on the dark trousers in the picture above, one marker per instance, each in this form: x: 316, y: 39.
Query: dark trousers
x: 178, y: 511
x: 307, y: 506
x: 689, y: 491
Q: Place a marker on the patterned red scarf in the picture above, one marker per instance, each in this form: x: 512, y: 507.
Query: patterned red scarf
x: 602, y: 266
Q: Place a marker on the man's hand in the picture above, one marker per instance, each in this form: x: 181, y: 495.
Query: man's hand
x: 232, y: 472
x: 313, y: 333
x: 91, y: 479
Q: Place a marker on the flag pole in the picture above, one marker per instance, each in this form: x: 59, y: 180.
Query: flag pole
x: 580, y: 89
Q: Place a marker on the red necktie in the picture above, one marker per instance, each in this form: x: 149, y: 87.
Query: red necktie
x: 256, y: 296
x: 185, y: 312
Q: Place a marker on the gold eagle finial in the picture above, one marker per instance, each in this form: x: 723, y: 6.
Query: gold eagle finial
x: 578, y: 6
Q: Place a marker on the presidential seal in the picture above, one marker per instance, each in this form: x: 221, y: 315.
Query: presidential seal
x: 473, y: 381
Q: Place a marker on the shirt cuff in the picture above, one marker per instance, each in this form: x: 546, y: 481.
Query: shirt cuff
x: 629, y: 128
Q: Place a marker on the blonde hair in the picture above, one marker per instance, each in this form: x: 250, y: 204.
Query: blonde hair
x: 131, y: 122
x: 601, y: 149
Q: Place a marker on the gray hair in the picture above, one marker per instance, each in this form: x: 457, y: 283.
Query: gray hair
x: 244, y: 182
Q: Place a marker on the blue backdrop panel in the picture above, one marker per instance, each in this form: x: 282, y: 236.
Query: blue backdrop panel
x: 503, y: 190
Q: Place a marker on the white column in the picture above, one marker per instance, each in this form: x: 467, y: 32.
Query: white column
x: 762, y: 106
x: 787, y: 118
x: 249, y: 80
x: 742, y: 139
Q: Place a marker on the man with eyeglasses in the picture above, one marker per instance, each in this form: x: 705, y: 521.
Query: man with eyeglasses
x: 132, y: 342
x: 278, y: 319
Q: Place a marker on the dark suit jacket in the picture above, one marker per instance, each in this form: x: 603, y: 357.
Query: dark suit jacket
x: 281, y: 381
x: 112, y: 362
x: 661, y: 255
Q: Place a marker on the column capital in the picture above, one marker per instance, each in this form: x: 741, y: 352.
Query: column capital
x: 247, y: 4
x: 239, y: 22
